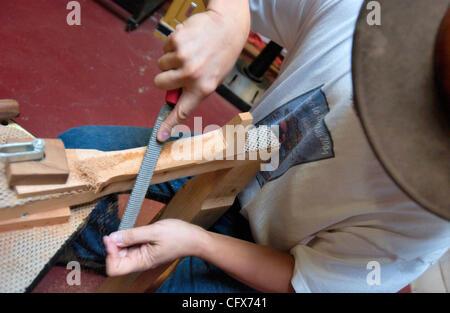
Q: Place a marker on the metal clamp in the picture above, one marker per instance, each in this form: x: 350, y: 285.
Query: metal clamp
x: 22, y: 151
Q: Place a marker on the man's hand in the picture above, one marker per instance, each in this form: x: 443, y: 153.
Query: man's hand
x: 142, y: 248
x: 199, y: 54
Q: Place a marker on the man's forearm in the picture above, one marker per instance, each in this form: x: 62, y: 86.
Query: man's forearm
x: 260, y: 267
x: 141, y: 248
x: 233, y: 10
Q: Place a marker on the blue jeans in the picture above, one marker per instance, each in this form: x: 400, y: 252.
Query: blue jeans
x: 192, y: 274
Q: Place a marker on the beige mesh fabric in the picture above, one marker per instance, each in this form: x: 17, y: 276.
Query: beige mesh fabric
x: 261, y: 137
x: 24, y: 253
x: 12, y: 131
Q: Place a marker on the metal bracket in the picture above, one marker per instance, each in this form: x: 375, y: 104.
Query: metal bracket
x: 22, y: 151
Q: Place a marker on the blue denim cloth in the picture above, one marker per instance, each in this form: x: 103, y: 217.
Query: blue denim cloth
x: 192, y: 274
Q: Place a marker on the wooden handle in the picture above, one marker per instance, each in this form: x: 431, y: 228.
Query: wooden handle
x: 9, y: 109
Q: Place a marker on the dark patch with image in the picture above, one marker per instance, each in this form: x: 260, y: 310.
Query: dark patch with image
x: 304, y: 136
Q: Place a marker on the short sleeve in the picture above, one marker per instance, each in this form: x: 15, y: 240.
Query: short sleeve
x: 360, y: 259
x: 283, y: 20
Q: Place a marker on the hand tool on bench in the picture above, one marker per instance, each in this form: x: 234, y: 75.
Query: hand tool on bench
x: 148, y: 164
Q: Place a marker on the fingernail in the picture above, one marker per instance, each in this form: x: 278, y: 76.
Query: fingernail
x: 163, y: 136
x: 117, y: 238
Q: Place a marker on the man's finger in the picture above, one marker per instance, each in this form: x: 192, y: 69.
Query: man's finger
x: 185, y: 106
x: 111, y: 247
x: 131, y: 260
x: 168, y: 80
x: 169, y: 44
x: 169, y: 61
x: 133, y: 236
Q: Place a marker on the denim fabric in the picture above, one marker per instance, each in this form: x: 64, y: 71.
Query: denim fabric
x: 192, y: 274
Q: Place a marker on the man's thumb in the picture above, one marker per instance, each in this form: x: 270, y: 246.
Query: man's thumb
x: 185, y: 106
x: 133, y: 236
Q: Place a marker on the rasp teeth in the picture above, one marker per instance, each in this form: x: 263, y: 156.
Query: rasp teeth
x: 145, y: 174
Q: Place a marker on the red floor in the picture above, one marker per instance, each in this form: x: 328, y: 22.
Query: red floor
x: 67, y: 76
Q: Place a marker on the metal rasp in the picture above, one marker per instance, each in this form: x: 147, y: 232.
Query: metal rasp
x: 145, y: 173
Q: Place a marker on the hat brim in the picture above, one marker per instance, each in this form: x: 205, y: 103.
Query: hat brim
x: 397, y: 101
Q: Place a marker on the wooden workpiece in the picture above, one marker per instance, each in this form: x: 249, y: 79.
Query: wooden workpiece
x: 52, y: 169
x: 94, y: 170
x: 94, y: 174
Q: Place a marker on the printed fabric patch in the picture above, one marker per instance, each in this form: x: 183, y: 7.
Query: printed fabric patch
x: 304, y: 136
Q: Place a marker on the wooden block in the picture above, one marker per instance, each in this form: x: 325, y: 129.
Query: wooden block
x: 149, y: 210
x: 53, y: 169
x: 48, y: 218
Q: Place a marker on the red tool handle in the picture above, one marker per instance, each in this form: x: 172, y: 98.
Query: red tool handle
x: 172, y: 96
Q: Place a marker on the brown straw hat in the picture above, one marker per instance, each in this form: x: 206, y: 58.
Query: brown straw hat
x: 401, y: 78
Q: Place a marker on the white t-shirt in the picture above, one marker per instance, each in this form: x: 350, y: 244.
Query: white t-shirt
x: 330, y: 203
